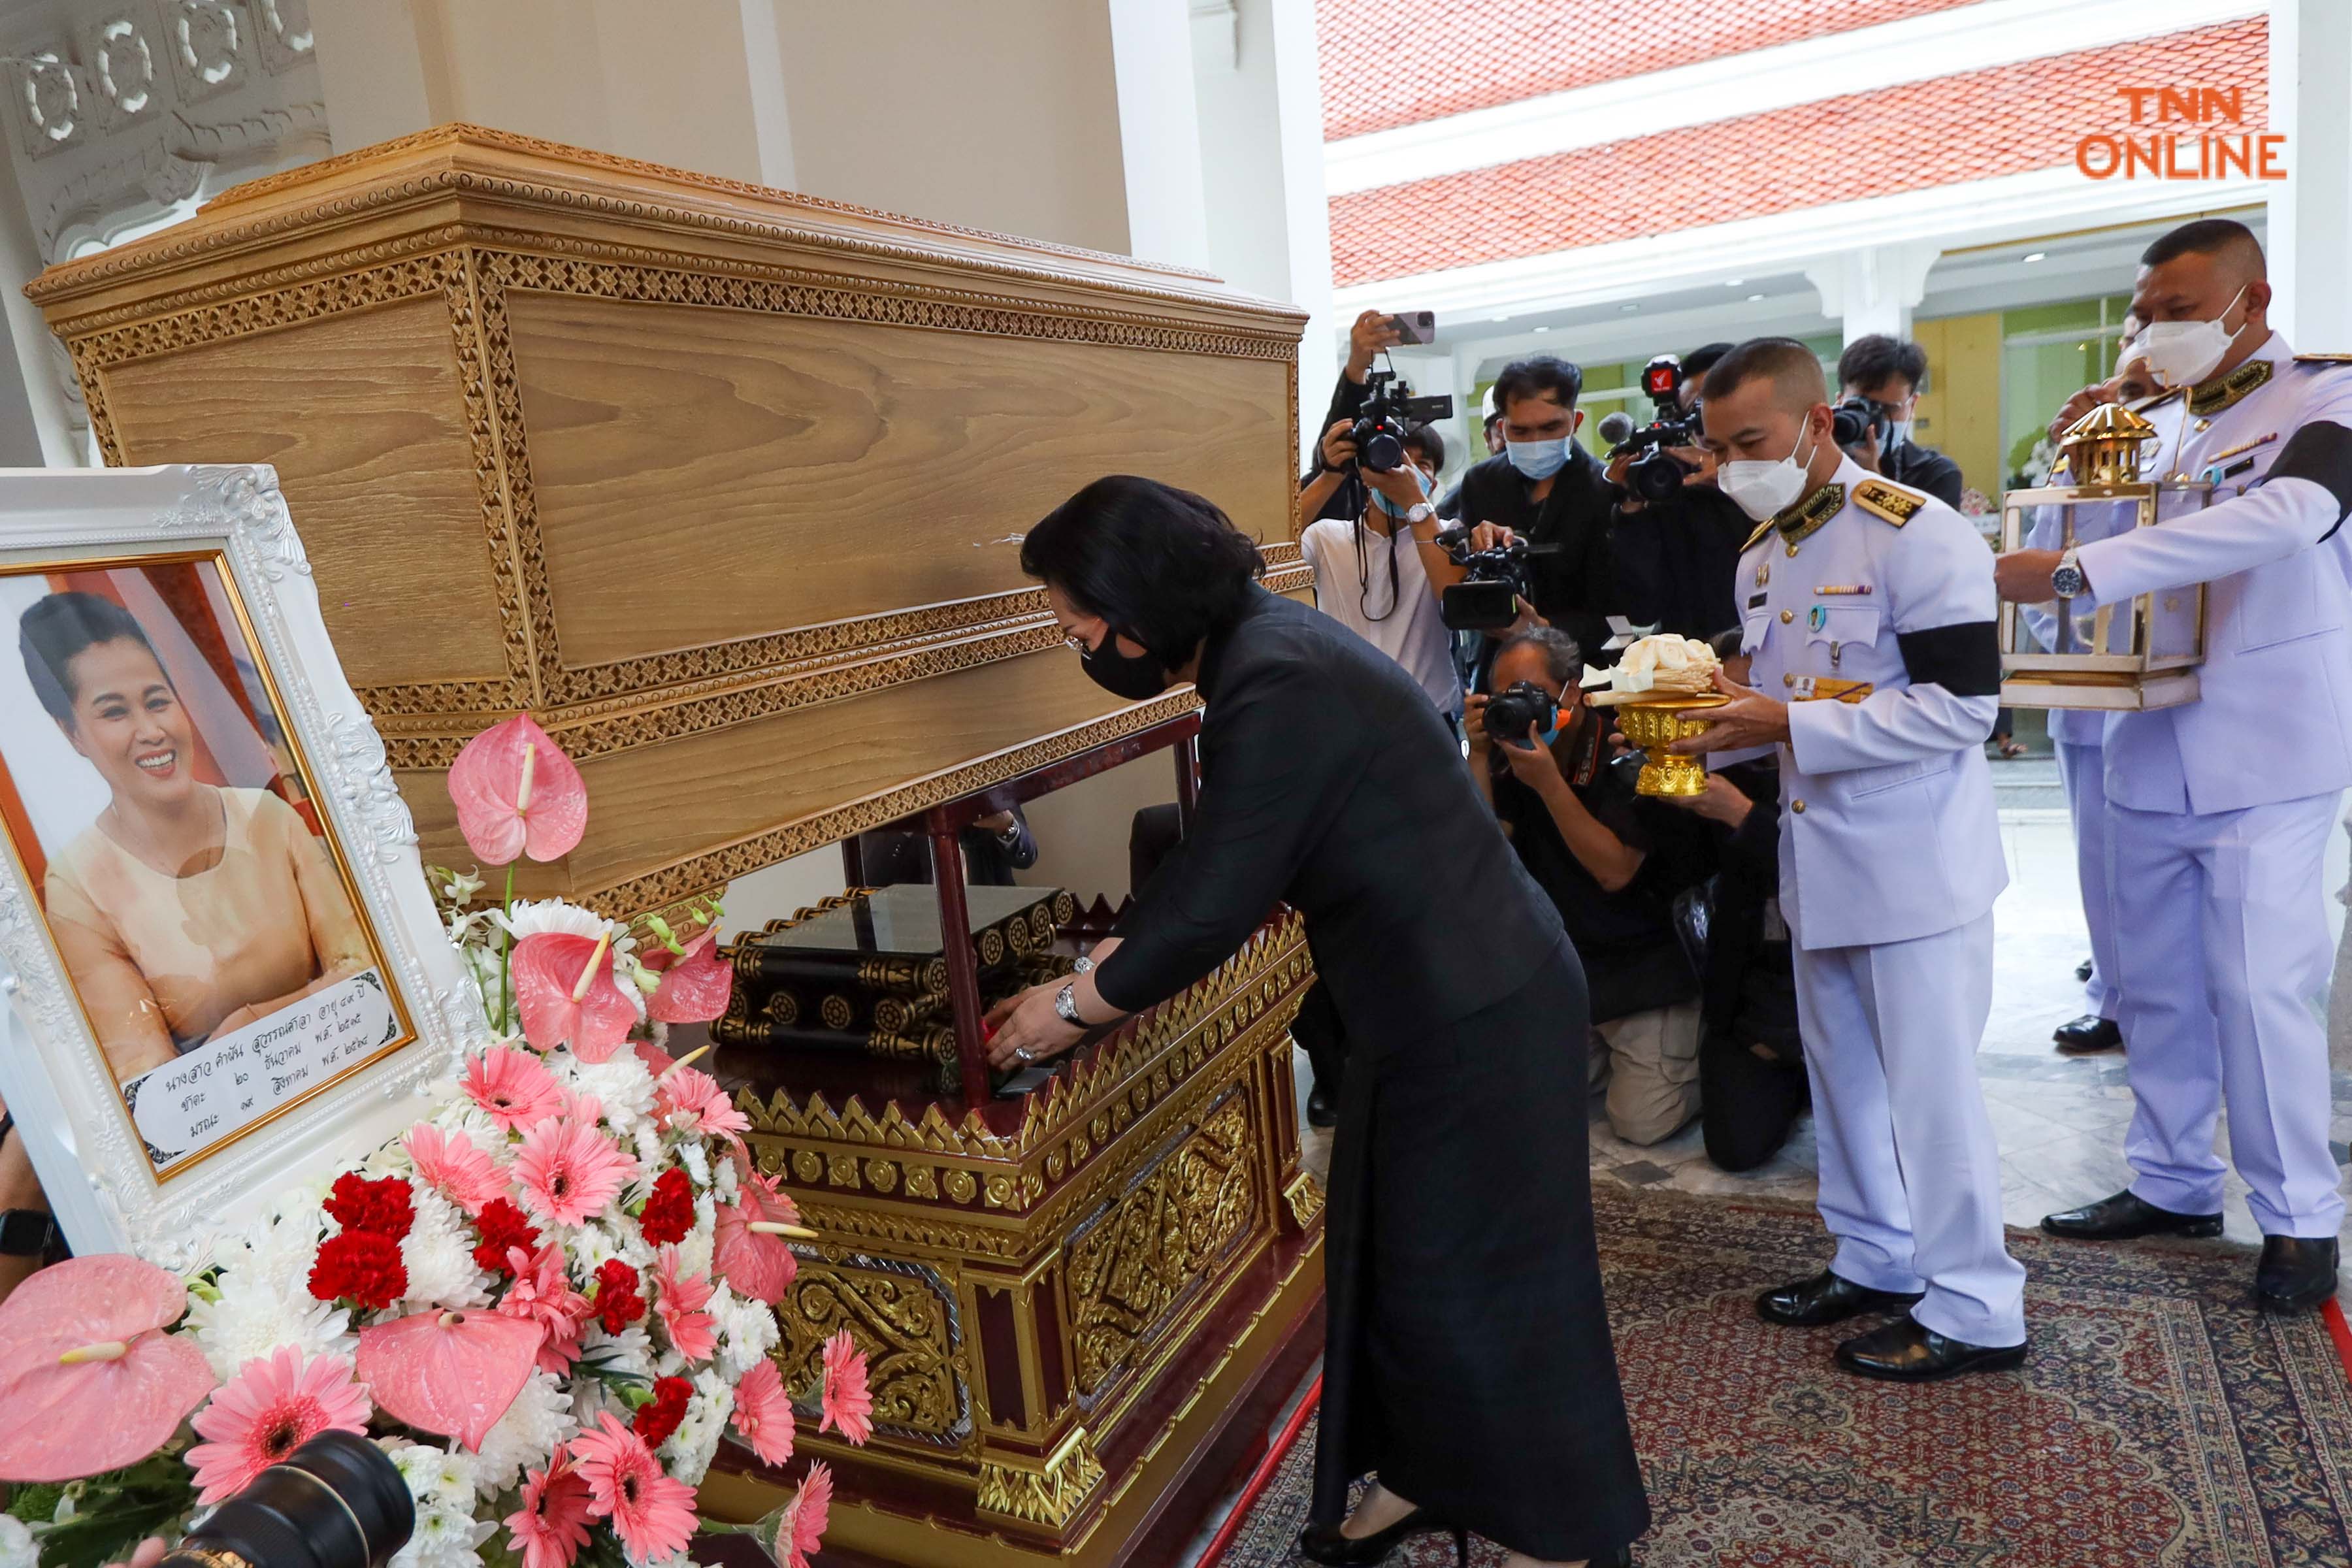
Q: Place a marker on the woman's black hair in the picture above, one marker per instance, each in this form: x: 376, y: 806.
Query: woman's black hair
x: 56, y: 629
x: 1163, y: 566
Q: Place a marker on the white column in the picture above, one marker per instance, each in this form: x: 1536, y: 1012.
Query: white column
x: 2310, y: 227
x: 1873, y: 288
x: 1159, y: 131
x: 1307, y: 206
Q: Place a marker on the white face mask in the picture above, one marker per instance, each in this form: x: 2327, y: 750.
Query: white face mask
x: 1763, y: 489
x: 2182, y: 353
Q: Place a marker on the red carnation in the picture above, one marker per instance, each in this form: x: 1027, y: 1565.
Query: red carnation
x: 386, y: 1207
x: 617, y: 1302
x: 360, y: 1266
x: 669, y: 1212
x: 655, y: 1421
x: 502, y: 1225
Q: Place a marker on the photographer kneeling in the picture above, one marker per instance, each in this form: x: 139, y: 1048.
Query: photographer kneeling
x: 1612, y: 862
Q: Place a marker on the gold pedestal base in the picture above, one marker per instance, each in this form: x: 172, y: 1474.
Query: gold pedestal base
x: 1655, y: 724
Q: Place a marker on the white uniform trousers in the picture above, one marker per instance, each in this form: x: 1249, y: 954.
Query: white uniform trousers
x: 2083, y: 773
x: 1910, y: 1174
x: 2225, y: 966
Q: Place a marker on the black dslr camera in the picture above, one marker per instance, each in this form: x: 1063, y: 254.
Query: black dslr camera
x: 337, y: 1501
x: 1489, y: 597
x: 1854, y: 419
x: 1513, y: 717
x: 1658, y: 475
x: 1390, y: 410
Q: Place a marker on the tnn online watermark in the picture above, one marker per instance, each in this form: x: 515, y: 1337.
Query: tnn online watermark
x: 2207, y: 154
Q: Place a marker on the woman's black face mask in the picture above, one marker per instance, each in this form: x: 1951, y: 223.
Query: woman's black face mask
x: 1132, y: 676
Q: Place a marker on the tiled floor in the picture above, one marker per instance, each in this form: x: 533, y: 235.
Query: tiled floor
x: 2060, y: 1120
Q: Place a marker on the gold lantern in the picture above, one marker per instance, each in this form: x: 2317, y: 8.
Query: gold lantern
x: 2135, y: 654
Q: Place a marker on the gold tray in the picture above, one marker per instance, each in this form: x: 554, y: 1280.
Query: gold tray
x: 1653, y: 724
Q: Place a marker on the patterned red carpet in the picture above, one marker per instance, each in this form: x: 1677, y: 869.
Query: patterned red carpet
x: 2160, y: 1422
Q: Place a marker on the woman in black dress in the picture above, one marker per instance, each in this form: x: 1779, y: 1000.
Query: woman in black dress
x: 1468, y: 1360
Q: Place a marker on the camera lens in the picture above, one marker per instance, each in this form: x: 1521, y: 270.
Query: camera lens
x: 337, y: 1501
x: 1381, y: 451
x: 1850, y: 421
x: 1515, y: 715
x: 1655, y: 478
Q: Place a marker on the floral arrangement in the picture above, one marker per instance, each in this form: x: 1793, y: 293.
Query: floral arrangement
x: 549, y: 1300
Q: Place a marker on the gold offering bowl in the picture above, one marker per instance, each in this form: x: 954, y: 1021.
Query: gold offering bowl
x: 1652, y: 723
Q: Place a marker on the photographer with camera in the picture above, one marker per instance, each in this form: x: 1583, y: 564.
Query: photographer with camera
x: 1369, y: 572
x: 1879, y: 380
x: 1675, y: 539
x: 1329, y: 489
x: 1612, y: 862
x: 1545, y: 493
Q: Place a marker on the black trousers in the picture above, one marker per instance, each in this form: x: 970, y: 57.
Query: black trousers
x: 1747, y: 1105
x: 1468, y: 1358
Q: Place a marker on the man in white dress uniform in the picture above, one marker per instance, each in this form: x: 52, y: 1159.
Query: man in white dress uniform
x: 2218, y: 811
x: 1868, y: 615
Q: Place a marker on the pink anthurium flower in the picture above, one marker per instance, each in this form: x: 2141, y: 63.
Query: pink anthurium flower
x: 566, y: 991
x: 694, y: 985
x: 517, y: 794
x: 89, y: 1379
x: 452, y: 1373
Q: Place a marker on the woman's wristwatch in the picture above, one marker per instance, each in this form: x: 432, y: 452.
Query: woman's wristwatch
x: 1065, y: 1005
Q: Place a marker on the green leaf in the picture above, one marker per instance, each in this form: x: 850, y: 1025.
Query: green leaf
x: 38, y: 1503
x: 93, y: 1538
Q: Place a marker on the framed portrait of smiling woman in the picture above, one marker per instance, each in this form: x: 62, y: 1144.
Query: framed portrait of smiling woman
x: 222, y: 957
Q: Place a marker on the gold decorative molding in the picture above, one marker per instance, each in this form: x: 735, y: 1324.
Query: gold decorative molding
x: 1159, y: 1242
x: 903, y: 1315
x: 1305, y: 1196
x: 1048, y: 1494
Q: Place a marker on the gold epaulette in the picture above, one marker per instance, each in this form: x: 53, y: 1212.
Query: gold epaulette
x: 2324, y: 359
x: 1888, y: 503
x: 1762, y: 529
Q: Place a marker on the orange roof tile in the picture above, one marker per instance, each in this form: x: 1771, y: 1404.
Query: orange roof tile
x: 2009, y: 120
x: 1384, y: 63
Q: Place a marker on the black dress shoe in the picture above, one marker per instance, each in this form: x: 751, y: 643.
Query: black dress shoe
x: 1322, y: 1109
x: 2087, y: 1035
x: 1909, y: 1352
x: 2297, y: 1272
x: 2124, y: 1216
x: 1826, y: 1298
x: 2083, y: 970
x: 1326, y: 1543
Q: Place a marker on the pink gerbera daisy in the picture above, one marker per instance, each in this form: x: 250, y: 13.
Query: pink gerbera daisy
x: 543, y: 1292
x: 693, y: 1332
x: 811, y: 1511
x: 763, y: 1412
x: 568, y: 1171
x: 846, y: 1404
x: 273, y: 1406
x: 513, y: 1086
x: 456, y: 1166
x: 553, y: 1524
x: 652, y: 1513
x: 690, y: 1100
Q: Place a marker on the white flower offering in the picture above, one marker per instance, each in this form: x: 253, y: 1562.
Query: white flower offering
x: 1654, y: 667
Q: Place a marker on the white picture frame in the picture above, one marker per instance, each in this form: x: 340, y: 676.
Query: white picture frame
x: 225, y: 531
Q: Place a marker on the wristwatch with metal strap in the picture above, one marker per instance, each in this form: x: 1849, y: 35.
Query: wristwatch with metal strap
x: 2067, y: 580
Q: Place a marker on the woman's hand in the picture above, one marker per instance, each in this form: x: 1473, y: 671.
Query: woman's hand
x: 1026, y: 1022
x: 1338, y: 450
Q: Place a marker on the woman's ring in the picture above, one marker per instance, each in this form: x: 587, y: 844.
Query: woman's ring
x: 1021, y: 1054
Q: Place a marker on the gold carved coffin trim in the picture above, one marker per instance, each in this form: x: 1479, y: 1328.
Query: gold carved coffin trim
x: 904, y: 1314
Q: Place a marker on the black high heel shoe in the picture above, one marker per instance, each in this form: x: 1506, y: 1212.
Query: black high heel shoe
x: 1324, y: 1542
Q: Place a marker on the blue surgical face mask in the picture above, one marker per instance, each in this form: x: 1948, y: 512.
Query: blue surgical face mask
x: 1562, y: 712
x: 1391, y: 507
x: 1539, y: 460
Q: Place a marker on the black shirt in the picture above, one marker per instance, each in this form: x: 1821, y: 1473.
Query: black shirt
x: 1572, y: 582
x: 1330, y: 780
x: 1676, y: 561
x: 1750, y: 991
x: 1632, y: 959
x: 1924, y: 468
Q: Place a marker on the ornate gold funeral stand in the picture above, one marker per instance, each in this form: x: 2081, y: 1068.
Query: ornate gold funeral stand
x: 1082, y: 1306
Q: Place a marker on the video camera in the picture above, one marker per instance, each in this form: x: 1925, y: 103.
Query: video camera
x: 1658, y: 475
x: 1854, y: 419
x: 1390, y: 410
x: 1489, y: 597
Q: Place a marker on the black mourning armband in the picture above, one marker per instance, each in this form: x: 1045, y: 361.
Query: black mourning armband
x: 1964, y: 659
x: 2321, y: 452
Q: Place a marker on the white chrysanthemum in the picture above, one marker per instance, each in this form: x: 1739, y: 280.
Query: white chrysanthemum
x: 281, y: 1246
x: 534, y: 1424
x: 694, y: 1252
x: 747, y: 1331
x: 648, y: 1140
x: 727, y: 1181
x: 696, y: 1161
x: 255, y: 1314
x: 542, y: 916
x: 630, y: 1351
x: 461, y: 1115
x: 586, y: 1249
x: 621, y: 1084
x: 438, y: 1255
x: 17, y: 1549
x: 689, y: 1451
x: 437, y: 1478
x: 445, y: 1538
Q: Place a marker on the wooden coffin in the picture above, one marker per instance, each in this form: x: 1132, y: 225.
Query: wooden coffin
x: 722, y: 484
